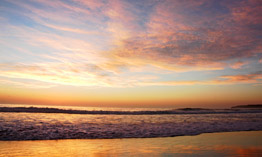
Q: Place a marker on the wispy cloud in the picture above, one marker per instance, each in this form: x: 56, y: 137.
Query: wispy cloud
x: 64, y: 74
x: 19, y: 84
x: 247, y: 78
x: 103, y: 43
x: 183, y: 34
x: 238, y: 65
x: 254, y: 78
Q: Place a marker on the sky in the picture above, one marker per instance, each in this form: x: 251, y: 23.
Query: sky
x: 131, y: 53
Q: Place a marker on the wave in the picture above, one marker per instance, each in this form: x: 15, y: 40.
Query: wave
x: 174, y: 111
x: 32, y: 126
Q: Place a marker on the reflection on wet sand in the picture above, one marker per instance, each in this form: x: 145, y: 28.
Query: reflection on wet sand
x: 236, y: 151
x: 213, y: 144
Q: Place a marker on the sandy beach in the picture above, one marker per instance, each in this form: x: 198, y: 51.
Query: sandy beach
x: 246, y: 143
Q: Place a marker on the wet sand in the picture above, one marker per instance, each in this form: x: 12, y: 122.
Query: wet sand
x: 246, y: 143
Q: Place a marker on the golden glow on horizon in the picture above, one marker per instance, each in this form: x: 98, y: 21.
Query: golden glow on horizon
x: 155, y: 97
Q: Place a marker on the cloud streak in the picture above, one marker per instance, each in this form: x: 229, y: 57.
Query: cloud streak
x: 221, y: 80
x: 183, y: 34
x: 110, y: 43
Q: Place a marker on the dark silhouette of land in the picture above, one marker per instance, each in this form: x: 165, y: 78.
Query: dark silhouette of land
x: 193, y: 109
x: 255, y: 106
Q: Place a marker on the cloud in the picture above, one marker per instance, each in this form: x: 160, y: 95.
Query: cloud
x: 254, y: 78
x: 30, y: 84
x: 238, y: 65
x: 93, y: 75
x: 58, y: 74
x: 73, y: 74
x: 260, y: 60
x: 74, y: 30
x: 247, y: 78
x: 189, y: 34
x: 103, y: 43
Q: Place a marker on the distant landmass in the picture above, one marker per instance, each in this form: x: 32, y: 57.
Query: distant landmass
x: 249, y: 106
x: 192, y: 109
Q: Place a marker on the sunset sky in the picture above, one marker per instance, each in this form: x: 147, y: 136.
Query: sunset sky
x: 140, y: 53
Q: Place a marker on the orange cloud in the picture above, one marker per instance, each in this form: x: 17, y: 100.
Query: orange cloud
x: 222, y: 80
x: 238, y: 65
x: 248, y: 78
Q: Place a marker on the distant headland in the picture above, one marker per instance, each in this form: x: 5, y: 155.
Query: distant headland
x: 249, y: 106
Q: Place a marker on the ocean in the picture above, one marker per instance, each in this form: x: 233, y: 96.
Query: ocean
x: 112, y: 123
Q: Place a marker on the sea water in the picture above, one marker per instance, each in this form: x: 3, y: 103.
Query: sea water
x: 45, y: 126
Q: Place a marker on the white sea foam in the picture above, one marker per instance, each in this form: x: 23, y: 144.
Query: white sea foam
x: 39, y: 126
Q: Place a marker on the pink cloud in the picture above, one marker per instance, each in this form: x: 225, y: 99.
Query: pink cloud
x: 92, y: 4
x: 238, y: 65
x: 222, y: 80
x: 248, y: 78
x: 260, y: 60
x: 180, y: 39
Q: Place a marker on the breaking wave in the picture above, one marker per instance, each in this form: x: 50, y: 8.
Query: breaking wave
x: 32, y: 123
